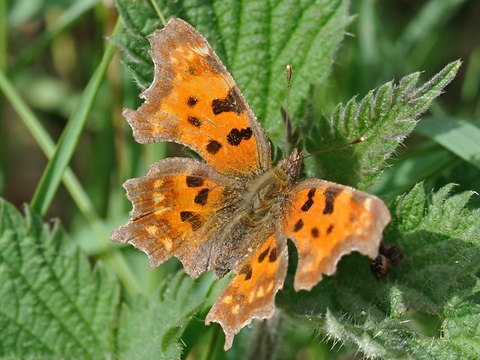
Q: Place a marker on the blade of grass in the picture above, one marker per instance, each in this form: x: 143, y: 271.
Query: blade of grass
x: 72, y: 184
x: 458, y: 136
x: 3, y: 34
x: 68, y: 141
x: 432, y: 15
x: 367, y: 28
x: 471, y: 86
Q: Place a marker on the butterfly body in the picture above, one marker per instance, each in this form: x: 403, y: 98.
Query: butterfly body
x: 236, y: 211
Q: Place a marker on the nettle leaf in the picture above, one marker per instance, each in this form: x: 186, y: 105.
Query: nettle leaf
x: 52, y: 305
x: 255, y: 40
x: 385, y: 116
x: 151, y: 329
x: 427, y: 307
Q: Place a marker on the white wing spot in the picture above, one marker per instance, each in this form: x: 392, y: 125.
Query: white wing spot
x: 157, y: 184
x: 251, y: 297
x: 151, y: 230
x: 260, y: 292
x: 236, y: 309
x: 270, y: 287
x: 202, y: 50
x: 167, y: 242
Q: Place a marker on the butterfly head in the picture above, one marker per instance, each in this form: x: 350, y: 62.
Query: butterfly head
x: 292, y: 165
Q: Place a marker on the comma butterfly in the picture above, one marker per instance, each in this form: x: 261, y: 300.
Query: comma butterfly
x: 236, y: 210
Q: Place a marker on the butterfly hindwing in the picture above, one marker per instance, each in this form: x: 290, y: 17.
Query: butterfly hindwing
x: 175, y: 209
x: 251, y: 293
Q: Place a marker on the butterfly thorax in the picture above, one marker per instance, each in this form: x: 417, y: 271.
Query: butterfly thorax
x: 261, y: 200
x: 269, y: 190
x: 265, y: 190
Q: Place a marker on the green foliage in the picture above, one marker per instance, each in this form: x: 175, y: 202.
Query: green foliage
x: 384, y: 117
x: 458, y: 136
x: 152, y: 329
x: 52, y: 303
x: 58, y: 297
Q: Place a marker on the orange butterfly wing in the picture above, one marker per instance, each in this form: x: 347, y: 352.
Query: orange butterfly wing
x: 327, y: 220
x: 251, y: 294
x: 194, y: 101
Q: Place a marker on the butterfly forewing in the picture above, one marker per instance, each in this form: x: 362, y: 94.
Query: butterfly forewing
x: 194, y: 101
x: 327, y: 220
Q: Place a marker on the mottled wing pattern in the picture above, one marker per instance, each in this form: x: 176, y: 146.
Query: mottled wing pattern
x: 175, y: 213
x: 326, y: 221
x: 194, y: 101
x: 251, y: 293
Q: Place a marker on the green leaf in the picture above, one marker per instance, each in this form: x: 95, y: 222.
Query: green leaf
x: 255, y: 40
x: 152, y: 329
x: 427, y: 307
x: 385, y: 116
x: 411, y: 168
x: 459, y: 136
x: 52, y: 305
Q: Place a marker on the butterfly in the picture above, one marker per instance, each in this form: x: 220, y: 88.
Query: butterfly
x: 236, y: 210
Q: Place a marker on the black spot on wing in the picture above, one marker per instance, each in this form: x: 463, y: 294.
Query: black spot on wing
x: 213, y: 147
x: 298, y: 226
x: 330, y: 229
x: 202, y: 197
x: 308, y: 204
x: 193, y: 181
x: 194, y: 219
x: 330, y: 194
x: 194, y: 121
x: 273, y: 255
x: 232, y: 103
x: 247, y: 270
x: 192, y: 101
x: 236, y: 136
x: 263, y: 255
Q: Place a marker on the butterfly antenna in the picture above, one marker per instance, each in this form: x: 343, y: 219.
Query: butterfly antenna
x: 339, y: 147
x: 288, y: 126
